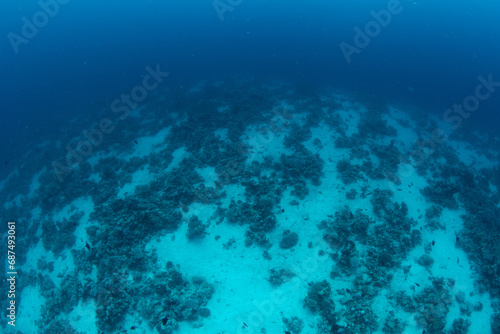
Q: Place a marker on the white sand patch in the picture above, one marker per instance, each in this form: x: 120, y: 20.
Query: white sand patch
x: 86, y: 205
x: 83, y: 317
x: 263, y: 141
x: 36, y: 215
x: 198, y: 88
x: 34, y: 254
x: 35, y: 183
x: 147, y: 145
x: 452, y: 262
x: 240, y: 276
x: 143, y: 176
x: 95, y: 177
x: 94, y: 158
x: 62, y: 264
x: 223, y: 109
x: 29, y: 311
x: 178, y: 155
x: 350, y: 119
x: 237, y: 192
x: 209, y: 175
x: 140, y: 177
x: 136, y: 113
x: 470, y: 156
x: 221, y: 134
x: 15, y: 202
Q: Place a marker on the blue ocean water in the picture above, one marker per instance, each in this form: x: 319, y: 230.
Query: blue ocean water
x: 91, y: 51
x: 60, y: 59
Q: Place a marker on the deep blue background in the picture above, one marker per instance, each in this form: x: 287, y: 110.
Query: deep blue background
x: 91, y: 52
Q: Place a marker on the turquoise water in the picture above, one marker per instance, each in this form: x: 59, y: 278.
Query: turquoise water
x: 237, y: 166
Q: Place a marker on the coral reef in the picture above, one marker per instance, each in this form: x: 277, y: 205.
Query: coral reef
x: 278, y: 276
x: 196, y: 229
x: 289, y: 239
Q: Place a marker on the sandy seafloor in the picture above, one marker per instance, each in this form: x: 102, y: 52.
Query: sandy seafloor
x: 240, y: 274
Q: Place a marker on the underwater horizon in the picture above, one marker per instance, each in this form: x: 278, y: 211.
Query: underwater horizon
x: 232, y: 166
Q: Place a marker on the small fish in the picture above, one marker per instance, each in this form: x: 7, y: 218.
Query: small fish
x: 164, y: 321
x: 433, y: 242
x: 132, y: 328
x: 351, y: 215
x: 417, y: 284
x: 87, y: 245
x: 458, y: 260
x: 135, y: 141
x: 368, y: 193
x: 457, y: 239
x: 244, y: 324
x: 399, y: 189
